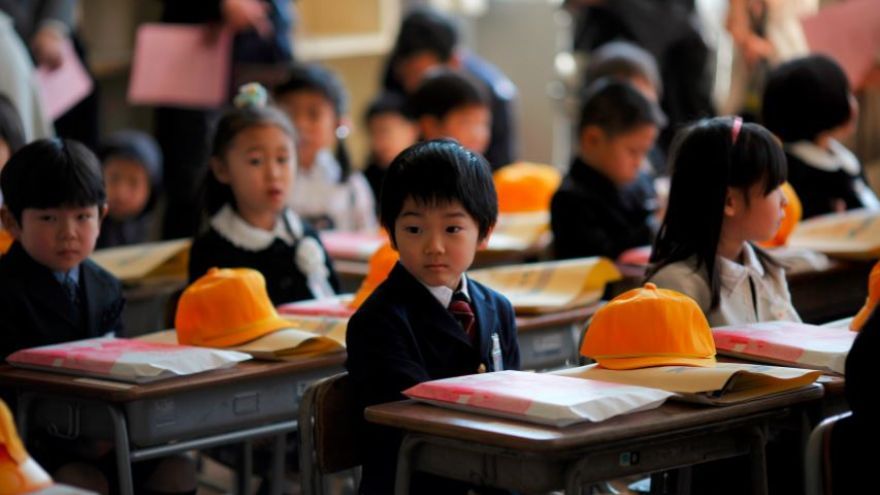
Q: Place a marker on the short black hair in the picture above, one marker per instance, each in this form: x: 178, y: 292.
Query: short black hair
x: 425, y: 29
x: 623, y: 60
x: 437, y: 172
x: 617, y: 107
x: 388, y: 102
x: 314, y: 77
x: 52, y: 173
x: 443, y: 91
x: 805, y: 97
x: 11, y: 128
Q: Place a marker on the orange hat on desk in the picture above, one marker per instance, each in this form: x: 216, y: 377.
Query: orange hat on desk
x: 19, y: 473
x: 5, y: 240
x: 793, y: 213
x: 381, y: 264
x: 525, y: 187
x: 649, y: 327
x: 873, y: 296
x: 226, y: 307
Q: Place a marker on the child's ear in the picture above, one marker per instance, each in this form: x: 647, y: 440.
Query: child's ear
x: 456, y: 61
x: 9, y: 223
x: 591, y: 136
x: 220, y: 170
x: 731, y: 202
x: 429, y: 127
x: 102, y: 212
x: 484, y: 242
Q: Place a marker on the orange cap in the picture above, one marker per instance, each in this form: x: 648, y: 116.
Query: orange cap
x: 793, y: 214
x: 525, y: 187
x: 871, y: 302
x: 650, y: 327
x: 226, y: 307
x: 5, y: 240
x: 19, y: 473
x: 381, y: 264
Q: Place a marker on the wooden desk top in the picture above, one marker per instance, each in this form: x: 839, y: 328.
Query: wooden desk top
x: 528, y: 437
x: 115, y: 391
x: 526, y: 323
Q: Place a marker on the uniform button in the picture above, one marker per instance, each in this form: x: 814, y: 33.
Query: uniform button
x: 481, y: 368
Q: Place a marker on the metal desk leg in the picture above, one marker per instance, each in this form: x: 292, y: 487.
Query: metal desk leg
x: 404, y: 464
x: 278, y: 451
x: 24, y: 403
x: 245, y: 468
x: 123, y: 450
x: 758, y: 460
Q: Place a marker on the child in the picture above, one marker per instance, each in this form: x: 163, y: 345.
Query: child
x: 449, y: 104
x: 392, y: 130
x: 808, y: 104
x: 725, y: 194
x: 11, y: 139
x: 50, y: 292
x: 595, y: 212
x: 132, y: 163
x: 327, y: 192
x: 428, y: 320
x: 253, y: 163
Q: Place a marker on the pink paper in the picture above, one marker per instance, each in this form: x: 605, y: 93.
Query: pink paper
x: 351, y: 245
x: 317, y: 307
x: 849, y: 32
x: 64, y: 87
x: 638, y: 256
x: 181, y: 65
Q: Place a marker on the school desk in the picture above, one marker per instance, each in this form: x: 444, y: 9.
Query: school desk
x: 552, y: 340
x: 533, y: 458
x: 146, y: 306
x: 251, y: 400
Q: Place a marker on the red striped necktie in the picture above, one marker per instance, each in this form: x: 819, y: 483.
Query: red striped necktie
x: 463, y: 313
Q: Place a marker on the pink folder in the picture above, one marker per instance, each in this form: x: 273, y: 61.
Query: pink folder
x: 848, y: 32
x: 64, y: 87
x: 181, y: 65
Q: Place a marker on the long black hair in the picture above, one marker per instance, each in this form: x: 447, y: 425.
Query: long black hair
x: 707, y: 158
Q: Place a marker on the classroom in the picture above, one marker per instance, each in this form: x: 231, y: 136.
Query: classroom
x: 378, y: 247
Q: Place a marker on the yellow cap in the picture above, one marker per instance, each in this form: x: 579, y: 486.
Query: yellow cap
x: 19, y: 473
x: 226, y: 307
x: 381, y: 264
x: 650, y: 327
x: 793, y: 213
x: 525, y: 187
x: 871, y: 302
x: 5, y: 240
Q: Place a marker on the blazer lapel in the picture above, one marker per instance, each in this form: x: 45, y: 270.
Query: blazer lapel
x: 92, y: 288
x: 487, y: 320
x: 42, y: 287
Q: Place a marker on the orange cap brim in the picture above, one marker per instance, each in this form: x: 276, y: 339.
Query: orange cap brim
x: 862, y: 316
x: 631, y: 363
x: 252, y: 332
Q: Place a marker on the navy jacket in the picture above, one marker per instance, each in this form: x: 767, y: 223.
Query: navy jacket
x: 35, y: 308
x: 819, y: 190
x: 402, y: 336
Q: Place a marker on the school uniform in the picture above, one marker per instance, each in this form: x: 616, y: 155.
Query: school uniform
x: 230, y: 242
x: 591, y: 216
x: 37, y: 309
x: 404, y: 335
x: 750, y: 292
x: 321, y: 199
x: 822, y: 178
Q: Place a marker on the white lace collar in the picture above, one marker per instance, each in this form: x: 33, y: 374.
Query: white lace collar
x: 243, y: 235
x: 836, y: 157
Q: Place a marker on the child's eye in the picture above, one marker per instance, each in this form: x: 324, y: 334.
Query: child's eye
x: 283, y: 160
x: 255, y: 160
x: 453, y: 229
x: 412, y: 229
x: 47, y: 218
x: 84, y: 216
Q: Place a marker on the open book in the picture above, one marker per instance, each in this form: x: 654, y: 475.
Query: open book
x: 520, y: 231
x: 550, y: 286
x: 537, y: 397
x: 853, y: 234
x: 150, y: 262
x: 306, y: 337
x: 787, y: 343
x: 726, y: 383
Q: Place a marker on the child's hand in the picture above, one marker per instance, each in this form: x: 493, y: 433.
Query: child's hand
x: 47, y: 45
x: 243, y: 14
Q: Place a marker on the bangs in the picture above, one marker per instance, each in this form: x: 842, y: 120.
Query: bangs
x: 762, y: 160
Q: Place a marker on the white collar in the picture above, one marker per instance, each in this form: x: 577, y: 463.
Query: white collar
x: 243, y: 235
x: 732, y: 273
x: 836, y: 157
x: 325, y: 167
x: 444, y: 294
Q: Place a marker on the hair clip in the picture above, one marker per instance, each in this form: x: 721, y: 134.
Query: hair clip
x: 251, y: 95
x: 735, y: 128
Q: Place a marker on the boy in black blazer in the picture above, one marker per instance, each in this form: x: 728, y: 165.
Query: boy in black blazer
x: 428, y: 320
x: 50, y: 292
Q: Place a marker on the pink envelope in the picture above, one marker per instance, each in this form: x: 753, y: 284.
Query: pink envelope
x: 848, y: 32
x: 181, y: 65
x: 64, y: 87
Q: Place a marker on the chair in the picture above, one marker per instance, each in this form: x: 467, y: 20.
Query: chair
x: 328, y: 422
x: 817, y: 462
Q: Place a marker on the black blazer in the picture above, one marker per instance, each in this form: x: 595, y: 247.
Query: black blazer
x: 35, y: 308
x: 402, y: 336
x: 591, y: 216
x: 819, y: 190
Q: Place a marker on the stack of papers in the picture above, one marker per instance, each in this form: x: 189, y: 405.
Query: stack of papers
x: 145, y: 263
x: 854, y: 234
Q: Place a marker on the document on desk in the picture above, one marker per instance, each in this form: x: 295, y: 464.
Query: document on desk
x: 519, y: 231
x: 353, y: 246
x: 536, y: 397
x: 725, y: 383
x: 853, y: 234
x: 140, y: 263
x: 550, y: 286
x: 129, y: 360
x: 787, y: 343
x: 338, y: 307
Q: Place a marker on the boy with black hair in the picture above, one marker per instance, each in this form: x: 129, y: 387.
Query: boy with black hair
x: 449, y: 104
x: 594, y: 213
x: 429, y: 39
x: 50, y: 292
x: 392, y: 129
x: 428, y: 320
